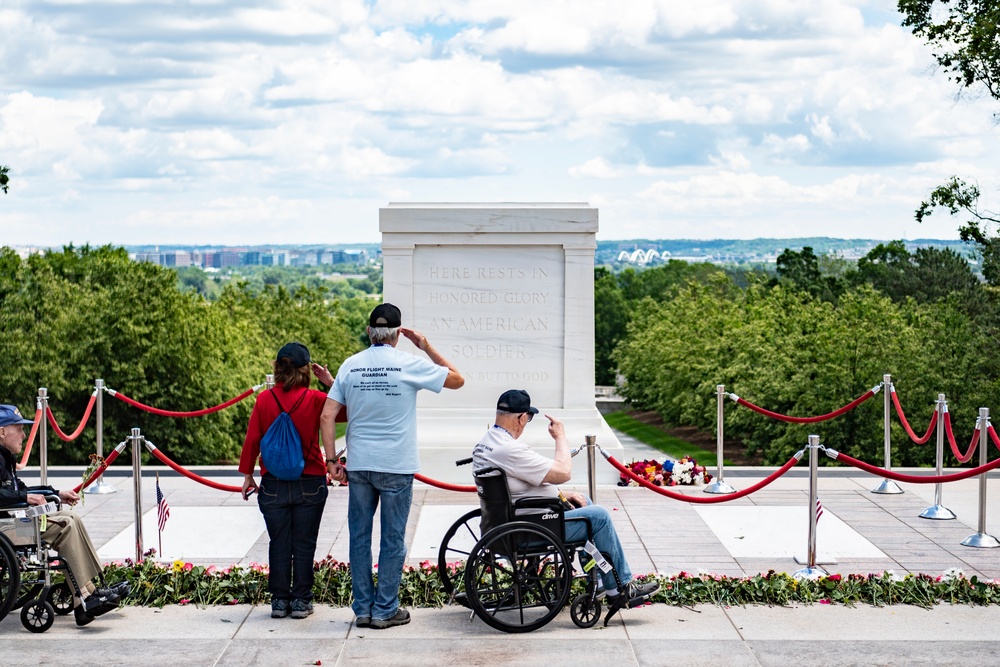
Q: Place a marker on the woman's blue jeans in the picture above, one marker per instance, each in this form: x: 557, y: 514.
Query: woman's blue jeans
x: 366, y: 491
x: 292, y: 513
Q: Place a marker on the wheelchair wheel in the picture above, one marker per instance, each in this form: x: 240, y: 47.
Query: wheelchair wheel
x: 518, y: 577
x: 584, y: 612
x: 61, y: 599
x: 456, y: 545
x: 37, y: 615
x: 9, y: 578
x: 31, y: 584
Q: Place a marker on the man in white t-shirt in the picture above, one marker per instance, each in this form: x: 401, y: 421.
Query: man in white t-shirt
x: 379, y: 389
x: 530, y: 474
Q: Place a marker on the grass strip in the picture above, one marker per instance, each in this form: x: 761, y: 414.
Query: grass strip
x: 655, y: 437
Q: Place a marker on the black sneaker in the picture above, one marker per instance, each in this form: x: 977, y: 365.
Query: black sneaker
x: 634, y: 595
x: 279, y: 608
x: 401, y: 617
x: 301, y: 608
x: 109, y: 594
x: 363, y: 622
x: 122, y: 589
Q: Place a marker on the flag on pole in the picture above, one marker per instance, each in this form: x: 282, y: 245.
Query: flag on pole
x: 819, y: 510
x: 162, y: 508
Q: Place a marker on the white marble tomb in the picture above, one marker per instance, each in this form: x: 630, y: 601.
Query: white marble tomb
x: 506, y: 293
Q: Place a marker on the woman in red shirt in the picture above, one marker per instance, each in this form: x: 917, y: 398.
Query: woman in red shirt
x: 292, y: 509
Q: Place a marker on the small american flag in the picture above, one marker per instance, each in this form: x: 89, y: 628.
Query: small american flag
x: 819, y: 509
x: 162, y: 508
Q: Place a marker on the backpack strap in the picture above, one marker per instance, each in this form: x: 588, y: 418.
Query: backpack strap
x: 282, y: 408
x: 275, y: 397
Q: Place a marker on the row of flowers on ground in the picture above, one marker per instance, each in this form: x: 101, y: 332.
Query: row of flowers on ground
x: 669, y: 473
x: 158, y: 584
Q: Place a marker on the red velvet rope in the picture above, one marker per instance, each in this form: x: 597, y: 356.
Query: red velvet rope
x: 171, y: 413
x: 954, y: 446
x: 31, y: 440
x: 917, y: 479
x: 79, y: 429
x: 444, y: 485
x: 198, y: 478
x: 993, y: 436
x: 97, y: 473
x: 906, y: 424
x: 704, y: 499
x: 809, y: 420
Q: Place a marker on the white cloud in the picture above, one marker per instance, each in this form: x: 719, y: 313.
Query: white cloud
x: 777, y: 113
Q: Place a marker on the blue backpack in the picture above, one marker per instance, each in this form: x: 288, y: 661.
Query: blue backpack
x: 281, y: 446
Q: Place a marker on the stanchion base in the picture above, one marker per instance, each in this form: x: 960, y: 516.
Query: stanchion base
x: 719, y: 486
x: 981, y: 541
x: 100, y: 487
x: 887, y: 486
x: 814, y: 572
x: 937, y: 513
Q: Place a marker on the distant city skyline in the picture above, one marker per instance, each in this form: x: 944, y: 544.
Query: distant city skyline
x: 271, y: 121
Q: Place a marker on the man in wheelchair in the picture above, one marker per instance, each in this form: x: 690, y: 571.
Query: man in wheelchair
x: 65, y: 532
x: 532, y: 475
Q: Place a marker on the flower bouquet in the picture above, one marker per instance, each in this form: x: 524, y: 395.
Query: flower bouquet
x: 669, y: 473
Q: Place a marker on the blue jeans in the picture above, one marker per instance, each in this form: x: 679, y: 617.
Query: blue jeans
x: 604, y: 537
x: 366, y: 490
x: 292, y: 513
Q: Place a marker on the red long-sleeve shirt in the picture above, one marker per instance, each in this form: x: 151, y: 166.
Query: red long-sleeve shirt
x: 305, y: 418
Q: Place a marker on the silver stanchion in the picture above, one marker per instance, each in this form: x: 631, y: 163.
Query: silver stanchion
x: 887, y: 485
x: 100, y: 486
x: 137, y: 442
x: 269, y: 381
x: 937, y: 510
x: 812, y: 570
x: 719, y: 485
x: 591, y: 445
x: 982, y: 539
x: 43, y: 436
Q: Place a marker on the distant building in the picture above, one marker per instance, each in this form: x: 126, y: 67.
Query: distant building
x: 151, y: 257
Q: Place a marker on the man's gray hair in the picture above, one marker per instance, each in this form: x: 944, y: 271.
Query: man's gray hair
x: 383, y: 335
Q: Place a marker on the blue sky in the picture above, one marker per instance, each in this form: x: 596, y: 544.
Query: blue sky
x: 286, y: 121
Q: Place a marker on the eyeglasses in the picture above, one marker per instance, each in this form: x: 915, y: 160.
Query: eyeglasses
x: 531, y: 415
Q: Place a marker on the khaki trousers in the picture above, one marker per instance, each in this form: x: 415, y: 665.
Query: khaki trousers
x: 67, y: 535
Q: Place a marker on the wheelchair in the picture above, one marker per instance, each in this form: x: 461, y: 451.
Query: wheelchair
x: 27, y: 566
x: 519, y: 574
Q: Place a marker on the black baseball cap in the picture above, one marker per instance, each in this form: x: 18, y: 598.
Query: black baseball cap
x: 385, y: 315
x: 516, y: 401
x: 11, y: 415
x: 296, y: 352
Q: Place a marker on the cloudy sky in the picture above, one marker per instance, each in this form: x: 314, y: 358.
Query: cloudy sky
x: 293, y: 121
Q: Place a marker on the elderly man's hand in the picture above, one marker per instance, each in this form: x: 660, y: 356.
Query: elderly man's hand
x: 556, y: 428
x: 36, y: 499
x: 69, y: 497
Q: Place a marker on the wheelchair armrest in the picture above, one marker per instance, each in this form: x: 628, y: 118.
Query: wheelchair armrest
x: 540, y: 502
x: 23, y: 506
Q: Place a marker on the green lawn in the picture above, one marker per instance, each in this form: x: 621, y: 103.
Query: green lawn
x: 673, y: 447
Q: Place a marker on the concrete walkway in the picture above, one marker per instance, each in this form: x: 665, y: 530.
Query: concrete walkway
x: 859, y: 532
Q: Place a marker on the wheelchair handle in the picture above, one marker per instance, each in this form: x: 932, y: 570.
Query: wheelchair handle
x: 463, y: 462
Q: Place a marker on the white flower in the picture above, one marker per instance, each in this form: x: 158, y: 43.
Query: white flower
x: 952, y: 573
x: 892, y: 575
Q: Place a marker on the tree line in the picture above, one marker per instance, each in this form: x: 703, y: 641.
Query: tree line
x: 70, y: 317
x: 805, y: 342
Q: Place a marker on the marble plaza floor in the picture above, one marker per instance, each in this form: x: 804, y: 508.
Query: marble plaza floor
x: 859, y: 532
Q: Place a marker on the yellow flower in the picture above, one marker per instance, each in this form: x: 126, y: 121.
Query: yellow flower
x: 178, y: 566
